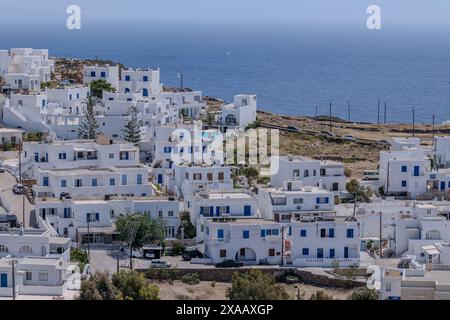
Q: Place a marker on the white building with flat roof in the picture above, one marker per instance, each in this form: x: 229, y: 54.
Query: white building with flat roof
x: 249, y: 240
x: 322, y: 241
x: 240, y: 113
x: 325, y: 174
x: 281, y: 204
x: 107, y: 73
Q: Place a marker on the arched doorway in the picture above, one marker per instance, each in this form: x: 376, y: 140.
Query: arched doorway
x: 246, y: 255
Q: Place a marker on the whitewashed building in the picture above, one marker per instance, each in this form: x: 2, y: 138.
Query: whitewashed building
x: 325, y: 174
x: 248, y: 240
x: 240, y: 113
x: 322, y: 241
x: 108, y: 73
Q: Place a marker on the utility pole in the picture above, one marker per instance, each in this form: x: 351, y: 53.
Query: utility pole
x: 181, y: 76
x: 13, y: 263
x: 354, y: 204
x: 23, y: 187
x: 434, y: 144
x: 378, y: 114
x: 385, y: 107
x: 414, y: 122
x: 282, y: 245
x: 348, y: 105
x: 89, y: 237
x: 317, y: 108
x: 387, y: 179
x: 381, y: 241
x: 330, y: 117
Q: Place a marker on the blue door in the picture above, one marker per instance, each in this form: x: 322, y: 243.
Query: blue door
x: 442, y: 185
x: 345, y: 252
x: 319, y: 253
x: 247, y: 210
x: 160, y: 178
x: 332, y: 254
x: 3, y: 280
x: 416, y: 171
x: 36, y: 157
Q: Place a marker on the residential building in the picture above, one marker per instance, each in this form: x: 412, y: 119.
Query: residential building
x: 107, y: 73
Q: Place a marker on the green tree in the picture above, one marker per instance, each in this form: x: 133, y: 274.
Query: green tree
x: 98, y: 287
x: 251, y: 173
x: 209, y: 119
x: 140, y: 229
x: 189, y: 228
x: 88, y: 126
x: 361, y: 194
x: 132, y: 285
x: 255, y: 285
x: 320, y: 295
x: 133, y: 124
x: 363, y: 293
x: 97, y: 87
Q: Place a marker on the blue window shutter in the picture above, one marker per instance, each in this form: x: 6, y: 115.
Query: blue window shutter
x: 332, y: 253
x: 327, y: 200
x: 263, y: 233
x: 331, y: 232
x: 317, y: 200
x: 211, y: 211
x: 227, y: 209
x: 275, y: 232
x: 217, y: 211
x: 290, y: 231
x: 220, y: 233
x: 88, y: 215
x: 97, y: 216
x: 246, y: 234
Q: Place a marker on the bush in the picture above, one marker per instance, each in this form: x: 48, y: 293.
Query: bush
x: 347, y: 172
x: 161, y: 274
x: 191, y: 278
x: 79, y: 256
x: 178, y: 248
x: 363, y: 293
x: 255, y: 285
x: 132, y: 285
x: 320, y: 295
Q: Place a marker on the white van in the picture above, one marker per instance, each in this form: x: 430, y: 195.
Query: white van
x: 370, y: 175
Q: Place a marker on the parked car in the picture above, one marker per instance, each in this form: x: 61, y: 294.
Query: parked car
x: 160, y: 263
x: 371, y: 175
x: 293, y: 128
x: 348, y: 137
x: 328, y: 133
x: 229, y: 264
x: 2, y: 170
x: 64, y: 195
x: 190, y: 253
x: 18, y: 188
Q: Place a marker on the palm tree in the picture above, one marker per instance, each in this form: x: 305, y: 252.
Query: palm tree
x: 88, y: 126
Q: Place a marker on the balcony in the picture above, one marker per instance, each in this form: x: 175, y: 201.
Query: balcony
x: 325, y: 262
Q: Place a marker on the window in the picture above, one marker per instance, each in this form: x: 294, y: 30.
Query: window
x: 25, y: 249
x: 124, y: 179
x: 139, y: 179
x: 103, y: 74
x: 246, y: 234
x: 167, y: 149
x: 220, y: 233
x: 94, y: 182
x: 160, y: 214
x: 145, y: 78
x: 223, y: 253
x: 306, y: 173
x: 305, y: 252
x: 67, y: 213
x: 388, y: 287
x: 320, y: 200
x: 45, y: 182
x: 112, y: 182
x: 78, y: 183
x: 404, y: 169
x: 197, y: 176
x: 92, y: 217
x: 350, y: 233
x: 210, y: 176
x: 298, y: 201
x: 63, y: 183
x: 403, y: 183
x: 323, y: 233
x: 43, y: 276
x: 3, y: 248
x: 62, y: 156
x: 221, y: 175
x: 170, y: 213
x: 296, y: 173
x: 271, y: 252
x: 332, y: 253
x: 111, y: 155
x: 303, y: 233
x: 331, y: 233
x: 92, y: 73
x: 127, y: 78
x: 28, y: 276
x: 433, y: 235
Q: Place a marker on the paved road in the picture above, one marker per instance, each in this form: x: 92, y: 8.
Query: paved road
x: 7, y: 182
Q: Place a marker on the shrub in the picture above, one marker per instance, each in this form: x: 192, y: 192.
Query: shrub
x: 177, y: 248
x: 161, y: 274
x: 320, y: 295
x: 363, y: 293
x: 191, y: 278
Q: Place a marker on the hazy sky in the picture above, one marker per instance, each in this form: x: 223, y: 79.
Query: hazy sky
x: 409, y: 13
